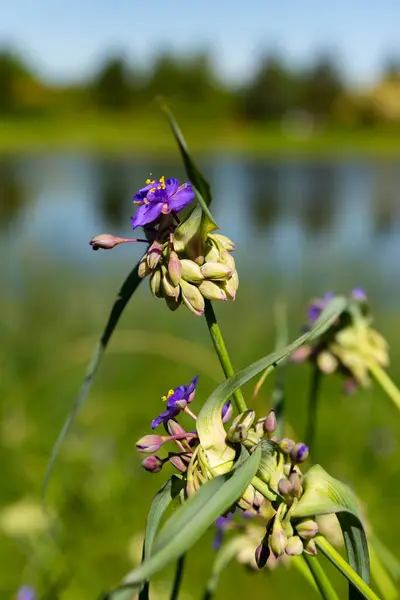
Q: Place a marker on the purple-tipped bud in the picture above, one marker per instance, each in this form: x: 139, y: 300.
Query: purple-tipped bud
x: 105, y: 241
x: 307, y: 529
x: 174, y: 268
x: 310, y: 548
x: 178, y: 463
x: 294, y: 546
x: 299, y: 453
x: 226, y: 412
x: 262, y: 554
x: 286, y: 445
x: 154, y: 254
x: 174, y: 428
x: 359, y: 294
x: 149, y: 443
x: 270, y: 423
x: 152, y: 464
x: 285, y: 486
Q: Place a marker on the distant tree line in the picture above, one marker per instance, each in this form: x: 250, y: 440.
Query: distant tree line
x: 273, y: 92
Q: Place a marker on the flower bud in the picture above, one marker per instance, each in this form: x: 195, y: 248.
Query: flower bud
x: 229, y: 288
x: 270, y: 423
x: 262, y: 554
x: 327, y: 363
x: 178, y: 463
x: 191, y: 271
x: 226, y: 412
x: 172, y: 303
x: 285, y: 486
x: 149, y: 443
x: 143, y: 268
x: 155, y: 283
x: 359, y: 294
x: 240, y: 427
x: 212, y: 254
x: 174, y: 428
x: 301, y: 354
x: 299, y: 453
x: 215, y: 270
x: 106, y: 241
x: 168, y: 289
x: 211, y: 291
x: 152, y: 464
x: 286, y: 445
x: 154, y: 254
x: 192, y: 298
x: 174, y: 268
x: 294, y: 546
x: 228, y: 260
x: 310, y: 548
x: 223, y: 241
x: 294, y: 479
x: 307, y: 529
x: 278, y: 538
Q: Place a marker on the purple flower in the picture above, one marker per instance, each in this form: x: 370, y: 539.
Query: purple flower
x: 177, y: 400
x: 221, y: 524
x: 160, y: 197
x: 359, y: 294
x: 317, y: 307
x: 25, y: 593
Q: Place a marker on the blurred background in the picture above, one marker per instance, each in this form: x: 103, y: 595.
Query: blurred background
x: 293, y: 113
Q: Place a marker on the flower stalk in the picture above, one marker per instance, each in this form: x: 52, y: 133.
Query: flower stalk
x: 222, y: 353
x: 385, y: 382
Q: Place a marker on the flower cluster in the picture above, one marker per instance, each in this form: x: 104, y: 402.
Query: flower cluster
x: 177, y: 401
x: 350, y: 346
x: 183, y: 277
x: 195, y: 269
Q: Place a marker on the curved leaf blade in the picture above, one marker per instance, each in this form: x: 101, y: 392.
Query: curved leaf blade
x: 125, y: 293
x: 209, y: 423
x: 323, y: 494
x: 194, y: 517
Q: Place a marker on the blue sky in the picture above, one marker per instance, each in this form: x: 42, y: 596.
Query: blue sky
x: 66, y: 38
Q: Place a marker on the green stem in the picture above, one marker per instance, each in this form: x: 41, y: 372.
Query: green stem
x: 385, y: 382
x: 313, y: 407
x: 222, y: 352
x: 180, y: 566
x: 264, y: 489
x: 322, y: 582
x: 343, y: 566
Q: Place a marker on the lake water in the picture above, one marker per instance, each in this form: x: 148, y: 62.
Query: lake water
x: 329, y: 223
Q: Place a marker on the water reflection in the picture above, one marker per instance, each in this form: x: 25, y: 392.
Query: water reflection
x: 326, y: 220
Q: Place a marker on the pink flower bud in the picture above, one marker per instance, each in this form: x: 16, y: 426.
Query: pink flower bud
x: 149, y: 443
x: 152, y: 464
x: 106, y: 241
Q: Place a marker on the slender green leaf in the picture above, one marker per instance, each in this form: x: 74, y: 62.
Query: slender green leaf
x: 193, y: 518
x: 159, y: 505
x: 209, y: 422
x: 381, y: 576
x: 322, y: 495
x: 128, y: 288
x: 390, y: 561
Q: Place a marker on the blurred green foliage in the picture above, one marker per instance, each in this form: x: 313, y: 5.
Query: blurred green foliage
x: 99, y: 491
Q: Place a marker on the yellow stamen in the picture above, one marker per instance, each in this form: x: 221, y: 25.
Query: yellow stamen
x: 162, y: 181
x: 152, y: 190
x: 170, y: 393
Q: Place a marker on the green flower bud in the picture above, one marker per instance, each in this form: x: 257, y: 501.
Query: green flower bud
x: 143, y: 268
x: 167, y: 287
x: 192, y: 298
x: 154, y: 254
x: 310, y: 548
x: 212, y: 253
x: 227, y: 259
x: 278, y: 538
x: 285, y: 486
x: 191, y: 271
x: 211, y: 291
x: 155, y: 283
x: 240, y: 427
x: 294, y: 546
x: 229, y: 287
x: 295, y: 481
x: 223, y: 241
x: 174, y: 268
x: 172, y: 303
x: 215, y: 270
x: 307, y: 529
x: 286, y: 445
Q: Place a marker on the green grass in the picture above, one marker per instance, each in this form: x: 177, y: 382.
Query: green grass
x: 150, y: 134
x: 98, y: 490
